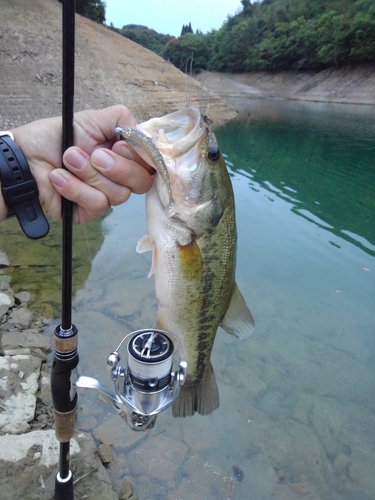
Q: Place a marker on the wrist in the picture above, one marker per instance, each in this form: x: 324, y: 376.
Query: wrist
x: 3, y: 206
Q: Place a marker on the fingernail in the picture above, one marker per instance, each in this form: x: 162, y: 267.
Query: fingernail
x: 101, y: 159
x: 75, y: 159
x: 57, y: 179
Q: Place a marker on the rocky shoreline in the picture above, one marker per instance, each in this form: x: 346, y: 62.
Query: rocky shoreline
x: 29, y: 451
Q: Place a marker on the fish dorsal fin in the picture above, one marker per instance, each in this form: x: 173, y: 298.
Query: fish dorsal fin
x: 238, y: 320
x: 145, y: 245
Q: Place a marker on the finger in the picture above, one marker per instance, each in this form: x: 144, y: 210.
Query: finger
x: 78, y: 162
x: 98, y: 127
x: 121, y: 171
x: 111, y: 174
x: 90, y: 201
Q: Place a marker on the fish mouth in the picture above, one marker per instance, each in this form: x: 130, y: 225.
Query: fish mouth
x: 181, y: 139
x: 176, y: 133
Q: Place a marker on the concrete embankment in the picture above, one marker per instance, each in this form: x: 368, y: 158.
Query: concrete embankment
x: 349, y: 85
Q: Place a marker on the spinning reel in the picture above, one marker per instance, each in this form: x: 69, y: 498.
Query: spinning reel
x: 148, y: 384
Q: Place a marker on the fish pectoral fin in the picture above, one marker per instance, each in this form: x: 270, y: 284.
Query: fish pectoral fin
x: 238, y: 320
x: 190, y: 260
x: 145, y: 245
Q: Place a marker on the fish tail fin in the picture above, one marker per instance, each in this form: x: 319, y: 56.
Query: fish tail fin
x: 201, y: 397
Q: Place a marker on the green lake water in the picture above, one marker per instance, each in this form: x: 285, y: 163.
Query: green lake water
x: 297, y: 413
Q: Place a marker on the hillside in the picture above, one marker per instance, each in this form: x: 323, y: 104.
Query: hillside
x: 110, y: 69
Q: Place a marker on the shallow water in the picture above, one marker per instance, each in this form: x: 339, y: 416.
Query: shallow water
x: 297, y: 413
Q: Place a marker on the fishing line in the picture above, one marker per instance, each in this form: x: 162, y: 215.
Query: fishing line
x: 87, y: 243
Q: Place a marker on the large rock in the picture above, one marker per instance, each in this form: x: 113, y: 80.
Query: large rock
x: 18, y: 388
x: 20, y: 317
x: 27, y: 338
x: 4, y: 261
x: 29, y: 464
x: 6, y: 302
x: 16, y: 448
x: 16, y: 428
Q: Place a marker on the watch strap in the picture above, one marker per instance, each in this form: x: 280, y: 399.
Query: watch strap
x: 20, y: 191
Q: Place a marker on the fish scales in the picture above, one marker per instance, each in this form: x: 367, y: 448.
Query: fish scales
x: 194, y: 250
x: 218, y: 264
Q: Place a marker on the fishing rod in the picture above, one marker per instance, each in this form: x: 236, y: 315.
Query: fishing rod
x: 64, y: 396
x: 152, y: 380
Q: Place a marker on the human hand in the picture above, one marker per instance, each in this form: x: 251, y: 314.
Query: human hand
x: 102, y: 171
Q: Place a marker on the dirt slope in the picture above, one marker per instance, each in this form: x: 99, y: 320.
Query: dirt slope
x: 110, y: 69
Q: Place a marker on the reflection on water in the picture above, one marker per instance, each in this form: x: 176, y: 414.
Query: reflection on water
x: 34, y: 265
x: 322, y: 161
x: 297, y: 414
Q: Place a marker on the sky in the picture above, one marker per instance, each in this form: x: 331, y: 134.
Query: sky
x: 168, y: 16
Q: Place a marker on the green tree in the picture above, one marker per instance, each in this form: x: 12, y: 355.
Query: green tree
x: 146, y: 37
x: 274, y: 34
x: 247, y: 7
x: 298, y: 34
x: 196, y: 50
x: 174, y: 53
x: 333, y: 37
x: 186, y: 29
x: 190, y: 52
x: 362, y: 28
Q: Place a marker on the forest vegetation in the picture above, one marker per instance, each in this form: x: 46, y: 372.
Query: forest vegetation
x: 266, y: 35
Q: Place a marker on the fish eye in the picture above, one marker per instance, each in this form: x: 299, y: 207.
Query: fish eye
x: 213, y: 153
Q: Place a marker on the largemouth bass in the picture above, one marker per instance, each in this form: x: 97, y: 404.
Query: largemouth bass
x: 193, y: 250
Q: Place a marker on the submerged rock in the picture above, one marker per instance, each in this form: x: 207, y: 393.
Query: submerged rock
x: 238, y: 473
x: 105, y: 453
x: 126, y: 491
x: 23, y: 297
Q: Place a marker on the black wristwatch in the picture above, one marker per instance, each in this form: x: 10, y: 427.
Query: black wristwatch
x: 20, y: 190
